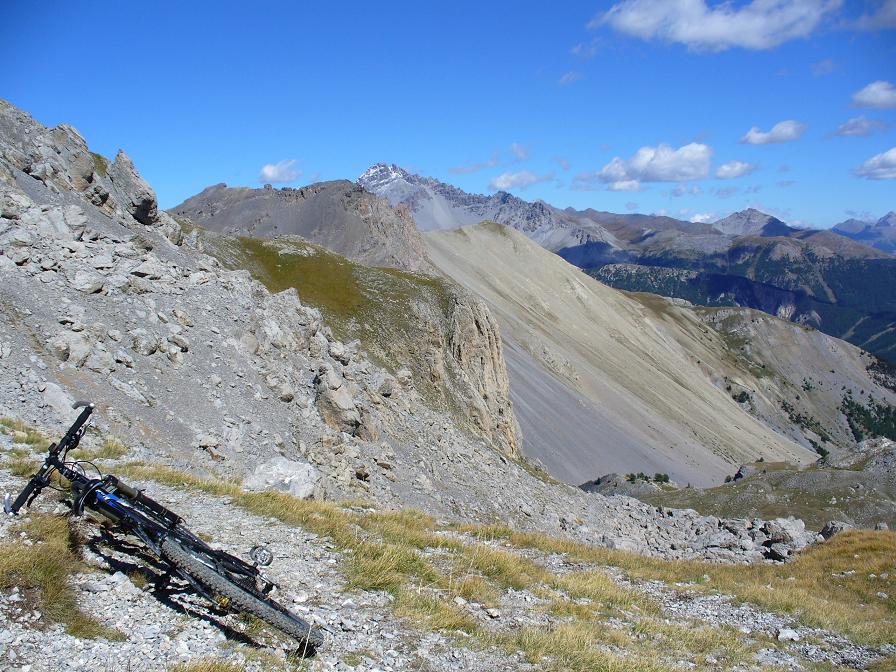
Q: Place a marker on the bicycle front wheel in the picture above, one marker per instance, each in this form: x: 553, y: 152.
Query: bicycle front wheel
x: 239, y: 598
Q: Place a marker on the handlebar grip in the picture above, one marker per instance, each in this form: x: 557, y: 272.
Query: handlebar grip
x: 22, y: 499
x: 72, y: 433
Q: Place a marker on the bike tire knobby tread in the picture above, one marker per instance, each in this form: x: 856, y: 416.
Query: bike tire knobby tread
x: 241, y: 599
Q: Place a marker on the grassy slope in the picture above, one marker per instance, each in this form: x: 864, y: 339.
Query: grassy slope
x: 394, y: 314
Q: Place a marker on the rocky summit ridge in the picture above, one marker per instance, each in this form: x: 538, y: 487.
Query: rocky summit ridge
x: 338, y: 215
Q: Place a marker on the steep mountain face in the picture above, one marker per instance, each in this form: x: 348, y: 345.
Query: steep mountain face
x: 603, y: 381
x: 880, y: 234
x: 337, y: 215
x: 748, y: 259
x: 415, y: 326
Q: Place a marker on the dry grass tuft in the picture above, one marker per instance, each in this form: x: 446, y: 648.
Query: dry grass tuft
x: 41, y: 571
x: 576, y: 646
x: 210, y: 665
x: 112, y: 449
x: 23, y: 433
x: 431, y: 611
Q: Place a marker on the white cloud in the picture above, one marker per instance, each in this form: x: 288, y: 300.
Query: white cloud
x: 569, y: 77
x: 859, y: 127
x: 520, y: 180
x: 631, y: 206
x: 586, y: 50
x: 625, y: 185
x: 879, y: 167
x: 884, y: 17
x: 703, y: 217
x: 475, y: 167
x: 657, y: 164
x: 825, y: 67
x: 761, y: 24
x: 521, y: 152
x: 683, y: 189
x: 879, y: 94
x: 783, y: 131
x: 732, y: 169
x: 563, y: 163
x: 282, y: 171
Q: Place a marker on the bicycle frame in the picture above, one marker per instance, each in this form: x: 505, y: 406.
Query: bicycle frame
x: 126, y: 507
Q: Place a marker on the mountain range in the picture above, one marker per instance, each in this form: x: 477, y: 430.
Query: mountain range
x: 751, y: 259
x: 600, y: 380
x: 880, y: 234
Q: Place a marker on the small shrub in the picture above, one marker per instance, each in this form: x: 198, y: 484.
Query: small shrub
x: 100, y: 164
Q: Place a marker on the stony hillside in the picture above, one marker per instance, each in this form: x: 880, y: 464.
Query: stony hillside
x: 858, y: 489
x: 603, y: 381
x: 417, y: 327
x: 208, y: 370
x: 339, y: 216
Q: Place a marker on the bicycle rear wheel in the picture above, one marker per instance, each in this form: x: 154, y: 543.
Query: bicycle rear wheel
x: 239, y: 598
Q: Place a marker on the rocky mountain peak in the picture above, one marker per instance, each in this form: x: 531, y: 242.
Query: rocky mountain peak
x: 743, y: 222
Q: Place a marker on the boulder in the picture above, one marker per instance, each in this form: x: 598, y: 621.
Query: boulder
x: 71, y: 347
x: 136, y: 195
x: 299, y: 479
x: 833, y: 527
x: 88, y: 282
x: 143, y: 342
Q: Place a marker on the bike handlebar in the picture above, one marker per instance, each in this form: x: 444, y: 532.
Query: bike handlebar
x: 76, y: 426
x: 39, y: 480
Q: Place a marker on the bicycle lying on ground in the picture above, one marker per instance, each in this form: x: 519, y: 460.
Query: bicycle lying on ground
x: 224, y: 579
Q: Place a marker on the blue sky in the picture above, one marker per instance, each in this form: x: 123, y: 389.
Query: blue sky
x: 637, y: 105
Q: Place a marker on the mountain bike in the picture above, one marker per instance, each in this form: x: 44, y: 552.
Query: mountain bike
x: 224, y: 579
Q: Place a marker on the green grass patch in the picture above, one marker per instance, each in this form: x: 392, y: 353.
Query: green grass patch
x: 100, y: 164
